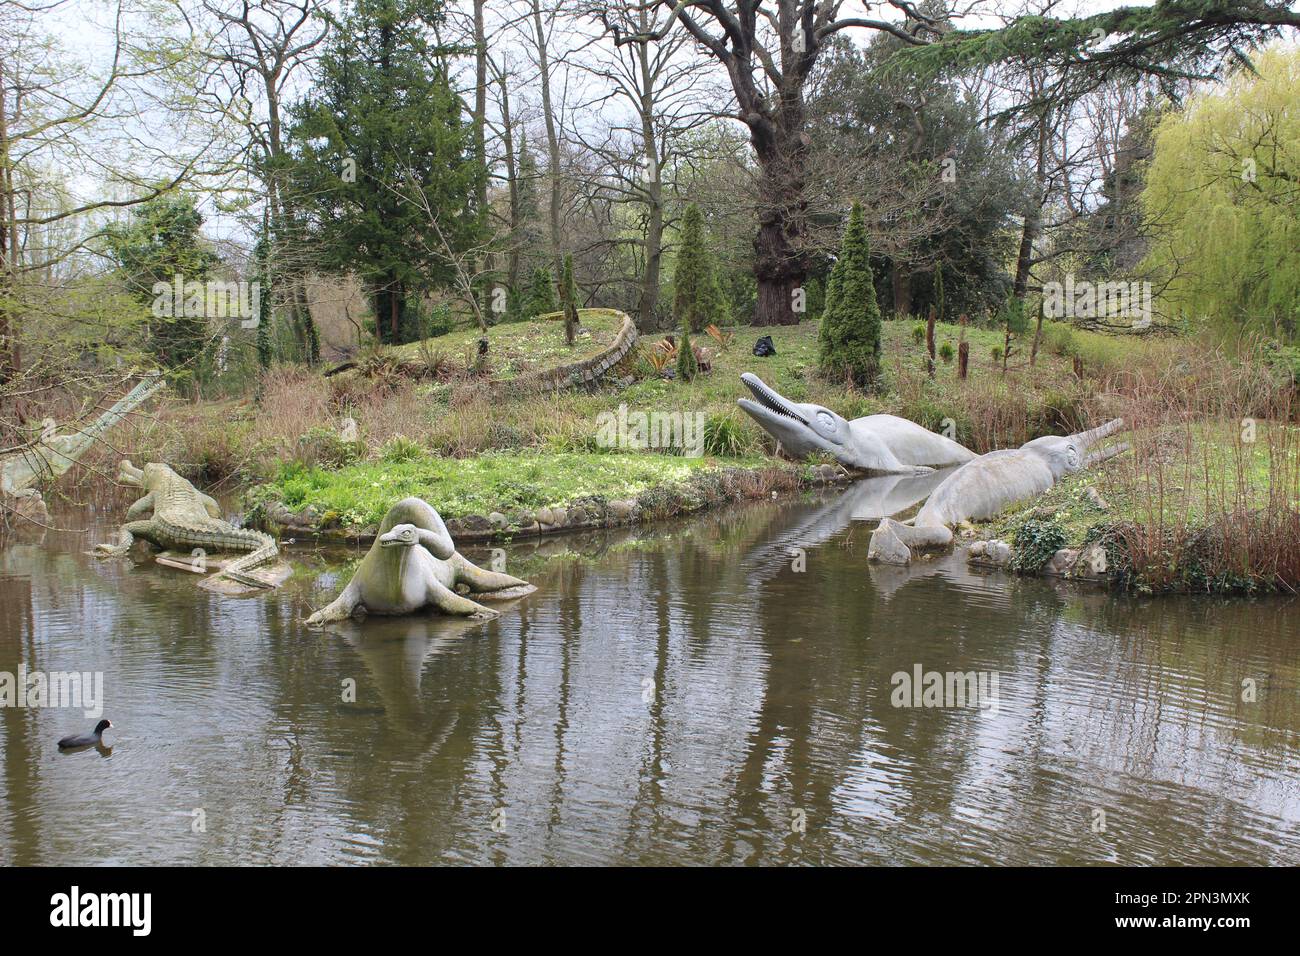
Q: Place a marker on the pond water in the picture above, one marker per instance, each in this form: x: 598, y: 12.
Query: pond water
x: 696, y: 694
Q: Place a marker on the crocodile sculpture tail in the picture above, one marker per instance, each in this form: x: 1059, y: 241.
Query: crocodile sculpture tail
x: 265, y: 550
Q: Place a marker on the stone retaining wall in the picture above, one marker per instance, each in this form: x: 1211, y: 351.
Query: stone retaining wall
x: 579, y: 373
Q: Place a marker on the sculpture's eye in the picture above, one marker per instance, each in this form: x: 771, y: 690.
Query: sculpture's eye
x: 1072, y: 456
x: 826, y: 421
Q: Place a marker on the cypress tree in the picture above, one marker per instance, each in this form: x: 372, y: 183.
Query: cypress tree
x: 687, y: 365
x: 541, y: 295
x: 849, y: 337
x: 696, y: 294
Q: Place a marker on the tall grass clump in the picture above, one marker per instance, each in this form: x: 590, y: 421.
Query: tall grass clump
x: 1212, y: 482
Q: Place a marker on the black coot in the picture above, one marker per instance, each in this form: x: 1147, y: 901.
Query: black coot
x: 86, y: 740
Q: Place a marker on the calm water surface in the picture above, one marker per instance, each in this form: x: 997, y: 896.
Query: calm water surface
x: 682, y: 697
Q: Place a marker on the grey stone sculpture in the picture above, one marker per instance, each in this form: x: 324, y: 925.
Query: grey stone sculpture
x: 413, y: 564
x: 985, y: 487
x: 877, y: 444
x: 175, y: 514
x: 53, y: 454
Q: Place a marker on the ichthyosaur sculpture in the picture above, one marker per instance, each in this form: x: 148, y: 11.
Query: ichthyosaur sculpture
x: 175, y: 514
x: 53, y: 454
x: 879, y: 444
x: 413, y: 564
x: 986, y: 486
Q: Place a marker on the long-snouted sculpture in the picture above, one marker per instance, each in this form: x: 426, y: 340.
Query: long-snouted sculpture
x: 53, y: 453
x: 414, y: 564
x: 987, y: 486
x: 879, y: 444
x: 175, y: 514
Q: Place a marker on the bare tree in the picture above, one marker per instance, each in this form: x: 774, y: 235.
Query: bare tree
x: 260, y: 47
x: 663, y: 88
x: 769, y: 51
x: 64, y: 124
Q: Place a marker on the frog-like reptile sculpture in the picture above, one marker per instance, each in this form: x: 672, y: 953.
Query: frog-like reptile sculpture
x: 414, y: 564
x: 174, y: 514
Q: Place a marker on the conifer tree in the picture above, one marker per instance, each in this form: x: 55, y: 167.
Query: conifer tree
x: 687, y: 365
x: 849, y: 337
x: 696, y: 293
x: 264, y: 353
x: 541, y: 295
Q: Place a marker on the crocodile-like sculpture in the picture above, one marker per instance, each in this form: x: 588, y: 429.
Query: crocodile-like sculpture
x: 878, y: 444
x: 985, y: 487
x: 413, y: 564
x: 175, y: 514
x: 53, y: 454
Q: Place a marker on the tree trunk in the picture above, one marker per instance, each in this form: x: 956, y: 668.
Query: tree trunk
x: 512, y: 185
x: 901, y: 282
x: 780, y: 265
x: 647, y: 319
x: 480, y: 102
x: 647, y: 307
x: 1025, y: 257
x: 1038, y: 337
x: 10, y: 350
x: 553, y: 147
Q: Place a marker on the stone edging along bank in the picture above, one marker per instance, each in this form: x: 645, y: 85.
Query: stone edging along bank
x: 699, y: 492
x: 584, y: 372
x: 1087, y: 564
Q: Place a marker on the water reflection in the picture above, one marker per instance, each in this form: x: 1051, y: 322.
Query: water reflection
x: 685, y: 696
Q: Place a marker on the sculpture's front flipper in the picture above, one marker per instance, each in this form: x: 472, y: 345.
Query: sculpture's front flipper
x: 892, y: 543
x: 449, y: 602
x: 482, y: 581
x: 340, y: 609
x: 141, y: 508
x: 123, y: 546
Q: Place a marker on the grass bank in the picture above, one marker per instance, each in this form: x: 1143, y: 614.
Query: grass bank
x: 501, y: 494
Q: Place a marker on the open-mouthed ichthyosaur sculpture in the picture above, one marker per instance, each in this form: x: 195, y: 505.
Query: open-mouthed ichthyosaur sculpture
x: 988, y: 485
x: 413, y: 564
x: 175, y: 514
x: 880, y: 444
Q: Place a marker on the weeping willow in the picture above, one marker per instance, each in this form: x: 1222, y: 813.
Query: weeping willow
x: 1222, y: 203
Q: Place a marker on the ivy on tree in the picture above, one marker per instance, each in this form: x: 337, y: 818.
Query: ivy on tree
x: 569, y: 300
